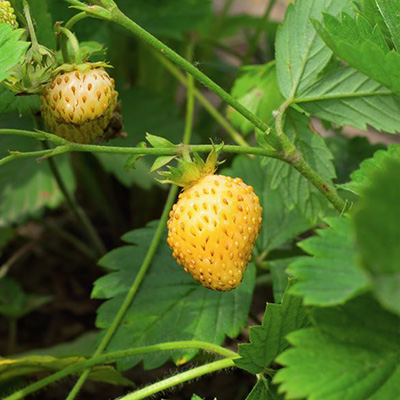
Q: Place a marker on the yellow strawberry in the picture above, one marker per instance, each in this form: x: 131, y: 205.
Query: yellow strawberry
x: 7, y: 14
x: 79, y: 104
x: 212, y: 230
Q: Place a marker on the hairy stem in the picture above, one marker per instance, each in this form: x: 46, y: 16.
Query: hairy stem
x: 179, y: 379
x: 118, y: 17
x: 114, y: 356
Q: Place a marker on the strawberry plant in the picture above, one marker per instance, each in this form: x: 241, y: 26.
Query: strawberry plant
x: 278, y: 259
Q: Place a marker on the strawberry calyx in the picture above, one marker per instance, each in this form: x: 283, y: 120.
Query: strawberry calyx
x: 191, y: 168
x: 83, y: 67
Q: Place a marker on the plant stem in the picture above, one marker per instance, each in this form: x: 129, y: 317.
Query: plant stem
x: 255, y: 39
x: 31, y: 28
x: 112, y: 357
x: 118, y: 17
x: 179, y: 379
x: 235, y: 135
x: 327, y: 190
x: 75, y: 46
x: 78, y: 212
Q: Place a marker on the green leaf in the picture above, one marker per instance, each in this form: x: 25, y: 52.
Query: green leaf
x: 269, y: 339
x: 279, y: 223
x: 15, y: 303
x: 142, y: 111
x: 377, y: 228
x: 10, y: 103
x: 349, y: 153
x: 257, y: 89
x: 263, y: 391
x: 296, y: 191
x: 348, y: 97
x: 11, y: 49
x: 12, y: 368
x: 352, y: 353
x: 28, y: 186
x: 354, y: 41
x: 332, y: 275
x: 390, y: 12
x: 361, y: 178
x: 301, y: 55
x: 170, y: 18
x: 280, y: 277
x: 169, y: 306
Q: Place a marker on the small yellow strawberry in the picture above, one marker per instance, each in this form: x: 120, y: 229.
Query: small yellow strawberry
x: 7, y: 14
x: 79, y: 104
x: 212, y: 229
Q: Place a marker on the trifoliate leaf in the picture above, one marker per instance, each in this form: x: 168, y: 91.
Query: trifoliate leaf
x: 362, y: 178
x: 269, y: 339
x: 377, y: 228
x: 301, y: 54
x: 352, y: 353
x: 169, y: 305
x: 332, y: 275
x: 348, y: 97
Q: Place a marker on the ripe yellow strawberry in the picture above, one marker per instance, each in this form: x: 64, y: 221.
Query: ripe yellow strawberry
x: 212, y: 230
x: 7, y: 14
x: 79, y: 104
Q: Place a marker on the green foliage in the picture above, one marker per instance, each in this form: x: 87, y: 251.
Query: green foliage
x: 12, y: 49
x: 15, y: 303
x: 280, y: 277
x: 351, y: 353
x: 376, y: 222
x: 12, y: 104
x: 332, y: 275
x: 6, y: 235
x: 296, y: 192
x: 267, y: 341
x: 279, y: 223
x: 263, y: 390
x: 172, y: 18
x: 349, y: 153
x: 390, y: 12
x: 364, y: 48
x: 348, y: 97
x: 362, y: 178
x: 301, y: 55
x: 256, y: 88
x: 28, y: 186
x: 169, y: 306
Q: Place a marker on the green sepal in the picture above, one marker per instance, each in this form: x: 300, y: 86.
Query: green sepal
x: 158, y: 141
x: 160, y: 162
x: 130, y: 163
x: 191, y: 167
